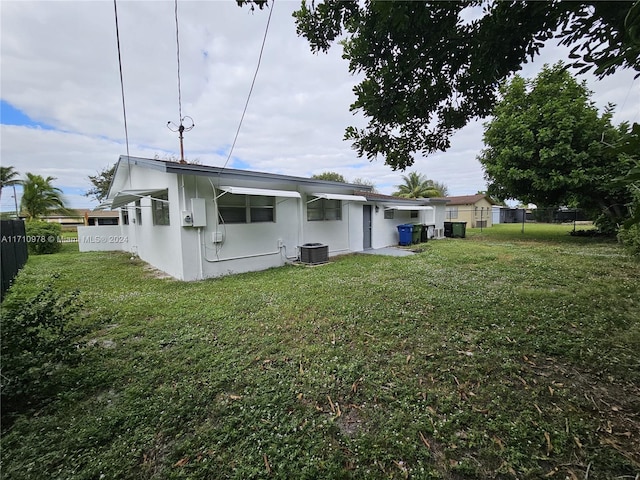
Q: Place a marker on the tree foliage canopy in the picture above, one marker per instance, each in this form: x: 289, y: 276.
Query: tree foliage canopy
x: 417, y: 185
x: 101, y: 183
x: 8, y: 177
x: 330, y: 176
x: 365, y: 182
x: 547, y: 145
x: 39, y: 197
x: 428, y: 70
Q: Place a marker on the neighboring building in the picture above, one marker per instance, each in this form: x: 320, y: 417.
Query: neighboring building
x: 501, y: 214
x: 473, y: 209
x: 83, y: 218
x: 196, y: 221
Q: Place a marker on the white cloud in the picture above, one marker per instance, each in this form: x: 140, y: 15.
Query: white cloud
x: 60, y: 67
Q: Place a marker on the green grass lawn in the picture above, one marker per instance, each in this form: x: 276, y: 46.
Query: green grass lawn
x: 502, y: 355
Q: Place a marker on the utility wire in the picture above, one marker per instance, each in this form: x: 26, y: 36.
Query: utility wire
x: 179, y: 128
x: 178, y: 55
x: 264, y: 39
x: 124, y: 109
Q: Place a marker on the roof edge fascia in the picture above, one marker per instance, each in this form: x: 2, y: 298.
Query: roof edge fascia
x: 211, y: 171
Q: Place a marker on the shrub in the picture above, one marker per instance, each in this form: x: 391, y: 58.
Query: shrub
x: 629, y: 233
x: 43, y: 237
x: 607, y: 225
x: 35, y: 341
x: 630, y: 238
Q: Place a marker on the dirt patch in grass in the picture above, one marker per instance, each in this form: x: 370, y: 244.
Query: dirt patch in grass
x: 350, y: 423
x: 152, y: 272
x: 613, y: 402
x: 154, y: 459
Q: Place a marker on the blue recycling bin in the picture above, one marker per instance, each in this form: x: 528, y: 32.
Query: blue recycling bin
x: 405, y: 234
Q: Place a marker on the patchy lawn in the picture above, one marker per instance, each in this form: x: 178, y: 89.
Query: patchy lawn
x: 502, y: 355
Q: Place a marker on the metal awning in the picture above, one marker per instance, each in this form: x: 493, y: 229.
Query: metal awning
x: 260, y: 191
x: 127, y: 196
x: 103, y: 206
x: 338, y: 196
x: 408, y: 207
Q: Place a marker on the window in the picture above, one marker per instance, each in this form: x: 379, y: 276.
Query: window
x: 160, y: 209
x: 452, y: 212
x: 324, y: 209
x: 138, y: 213
x: 246, y: 208
x: 389, y: 214
x: 125, y: 215
x: 414, y: 214
x: 106, y: 221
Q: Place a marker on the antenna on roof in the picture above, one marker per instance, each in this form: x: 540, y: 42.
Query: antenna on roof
x: 179, y: 128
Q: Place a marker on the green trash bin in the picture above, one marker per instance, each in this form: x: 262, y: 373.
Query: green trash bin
x: 459, y: 229
x: 417, y: 232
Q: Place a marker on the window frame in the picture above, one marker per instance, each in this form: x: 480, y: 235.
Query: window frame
x: 160, y: 209
x: 138, y: 208
x: 252, y: 206
x: 324, y: 210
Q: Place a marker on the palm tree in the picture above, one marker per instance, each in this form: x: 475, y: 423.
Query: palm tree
x: 417, y: 185
x: 40, y: 197
x: 8, y: 178
x: 443, y: 190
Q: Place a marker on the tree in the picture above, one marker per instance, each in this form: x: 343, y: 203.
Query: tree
x: 441, y: 188
x: 101, y: 183
x: 8, y: 178
x: 366, y: 182
x: 171, y: 157
x: 330, y: 176
x: 39, y: 197
x: 428, y: 71
x: 629, y: 146
x: 417, y: 185
x: 545, y: 145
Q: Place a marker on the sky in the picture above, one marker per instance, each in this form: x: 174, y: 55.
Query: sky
x: 61, y: 103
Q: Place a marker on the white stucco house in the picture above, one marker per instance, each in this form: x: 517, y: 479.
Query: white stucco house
x: 195, y: 221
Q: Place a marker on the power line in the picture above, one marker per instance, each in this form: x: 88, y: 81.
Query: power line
x: 124, y: 108
x: 178, y: 58
x: 264, y: 39
x: 179, y: 128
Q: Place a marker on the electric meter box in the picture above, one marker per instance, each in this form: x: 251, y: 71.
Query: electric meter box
x: 198, y: 212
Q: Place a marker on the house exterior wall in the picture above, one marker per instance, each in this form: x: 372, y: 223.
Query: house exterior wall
x: 472, y: 213
x: 385, y: 230
x: 257, y: 246
x: 495, y: 214
x: 220, y: 249
x: 214, y: 248
x: 341, y: 236
x: 104, y: 238
x: 482, y: 213
x: 159, y: 245
x: 440, y: 215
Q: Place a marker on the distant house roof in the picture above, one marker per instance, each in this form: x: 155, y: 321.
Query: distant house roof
x: 99, y: 213
x: 469, y: 199
x: 80, y: 213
